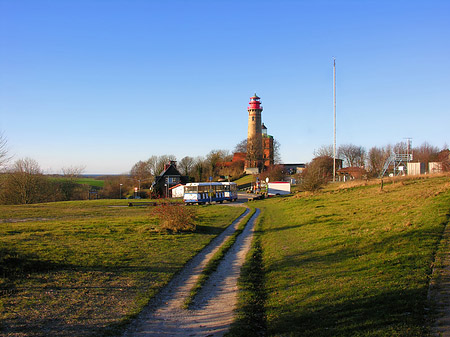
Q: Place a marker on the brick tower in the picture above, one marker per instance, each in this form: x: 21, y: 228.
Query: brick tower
x: 254, y: 159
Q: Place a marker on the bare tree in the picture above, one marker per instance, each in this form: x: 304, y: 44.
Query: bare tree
x: 116, y: 187
x: 352, y: 154
x: 376, y: 158
x: 241, y: 147
x: 73, y: 172
x: 324, y: 150
x: 141, y: 170
x: 426, y: 153
x: 4, y: 158
x: 276, y: 152
x: 317, y: 173
x: 213, y: 158
x: 200, y: 169
x: 186, y: 165
x: 401, y: 147
x: 25, y: 183
x: 162, y: 161
x: 444, y: 158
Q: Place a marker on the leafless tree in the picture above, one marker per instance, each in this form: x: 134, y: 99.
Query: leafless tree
x: 186, y: 165
x: 162, y: 161
x: 141, y: 170
x: 254, y: 153
x: 276, y: 152
x: 200, y: 169
x: 376, y: 158
x: 4, y: 157
x: 213, y: 158
x: 25, y: 184
x: 241, y: 147
x: 155, y: 164
x: 317, y: 173
x: 444, y: 158
x: 324, y: 150
x: 353, y: 155
x: 426, y: 153
x: 401, y: 147
x: 116, y: 187
x: 73, y: 172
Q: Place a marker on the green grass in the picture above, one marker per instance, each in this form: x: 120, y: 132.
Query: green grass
x: 89, y: 267
x: 250, y: 314
x: 249, y: 178
x: 90, y: 182
x: 352, y: 262
x: 83, y: 181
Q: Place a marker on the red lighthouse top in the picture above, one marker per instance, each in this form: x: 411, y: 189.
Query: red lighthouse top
x: 255, y: 103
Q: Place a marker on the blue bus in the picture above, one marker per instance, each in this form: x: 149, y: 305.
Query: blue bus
x: 201, y: 193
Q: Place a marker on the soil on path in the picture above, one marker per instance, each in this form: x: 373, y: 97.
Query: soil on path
x: 213, y: 309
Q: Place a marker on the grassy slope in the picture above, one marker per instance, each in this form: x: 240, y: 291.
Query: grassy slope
x: 245, y: 180
x: 89, y: 266
x: 352, y: 262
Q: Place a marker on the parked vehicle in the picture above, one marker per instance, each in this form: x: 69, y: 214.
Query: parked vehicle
x: 279, y: 188
x: 201, y: 193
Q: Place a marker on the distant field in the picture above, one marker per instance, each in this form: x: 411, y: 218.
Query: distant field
x: 352, y: 261
x: 81, y: 268
x: 90, y: 182
x: 85, y: 181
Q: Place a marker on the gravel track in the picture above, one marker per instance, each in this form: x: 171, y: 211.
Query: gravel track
x: 213, y: 308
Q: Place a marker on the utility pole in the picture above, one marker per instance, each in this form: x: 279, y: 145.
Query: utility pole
x: 334, y: 119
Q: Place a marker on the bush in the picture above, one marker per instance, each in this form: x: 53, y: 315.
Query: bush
x: 175, y: 217
x: 317, y: 173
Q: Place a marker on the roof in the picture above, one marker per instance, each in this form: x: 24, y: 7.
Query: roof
x: 352, y: 169
x: 171, y: 170
x: 171, y: 188
x: 255, y: 96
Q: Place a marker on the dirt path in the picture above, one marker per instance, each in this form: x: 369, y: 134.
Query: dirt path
x: 439, y: 291
x: 213, y: 311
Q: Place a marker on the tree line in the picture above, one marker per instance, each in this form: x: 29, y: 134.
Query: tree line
x: 25, y: 183
x: 320, y: 169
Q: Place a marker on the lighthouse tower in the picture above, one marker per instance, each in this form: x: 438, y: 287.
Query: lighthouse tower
x: 254, y: 159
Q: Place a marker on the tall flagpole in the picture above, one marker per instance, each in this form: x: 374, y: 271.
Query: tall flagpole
x: 334, y: 119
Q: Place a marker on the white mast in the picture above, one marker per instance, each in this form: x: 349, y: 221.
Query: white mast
x: 334, y: 119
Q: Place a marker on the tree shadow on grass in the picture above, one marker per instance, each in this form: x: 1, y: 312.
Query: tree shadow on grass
x: 209, y: 230
x: 377, y: 311
x: 391, y: 313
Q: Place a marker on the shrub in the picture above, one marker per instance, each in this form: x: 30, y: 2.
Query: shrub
x: 317, y: 173
x: 175, y: 217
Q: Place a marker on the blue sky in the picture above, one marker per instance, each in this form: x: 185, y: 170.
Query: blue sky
x: 106, y: 83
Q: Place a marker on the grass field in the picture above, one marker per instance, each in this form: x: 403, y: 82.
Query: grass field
x: 352, y: 261
x: 247, y: 179
x: 84, y: 181
x: 90, y: 182
x: 83, y: 268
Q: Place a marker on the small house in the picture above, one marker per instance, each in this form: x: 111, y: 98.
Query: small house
x: 170, y: 177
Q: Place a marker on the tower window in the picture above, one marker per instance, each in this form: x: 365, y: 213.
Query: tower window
x: 253, y: 118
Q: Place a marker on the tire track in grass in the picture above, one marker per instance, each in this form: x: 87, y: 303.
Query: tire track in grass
x: 213, y: 310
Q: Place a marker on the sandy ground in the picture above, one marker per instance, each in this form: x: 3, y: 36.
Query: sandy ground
x: 213, y: 309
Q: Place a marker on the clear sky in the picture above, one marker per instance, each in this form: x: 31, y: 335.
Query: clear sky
x: 106, y: 83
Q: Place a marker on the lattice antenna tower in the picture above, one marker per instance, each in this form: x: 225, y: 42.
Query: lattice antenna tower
x: 398, y: 160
